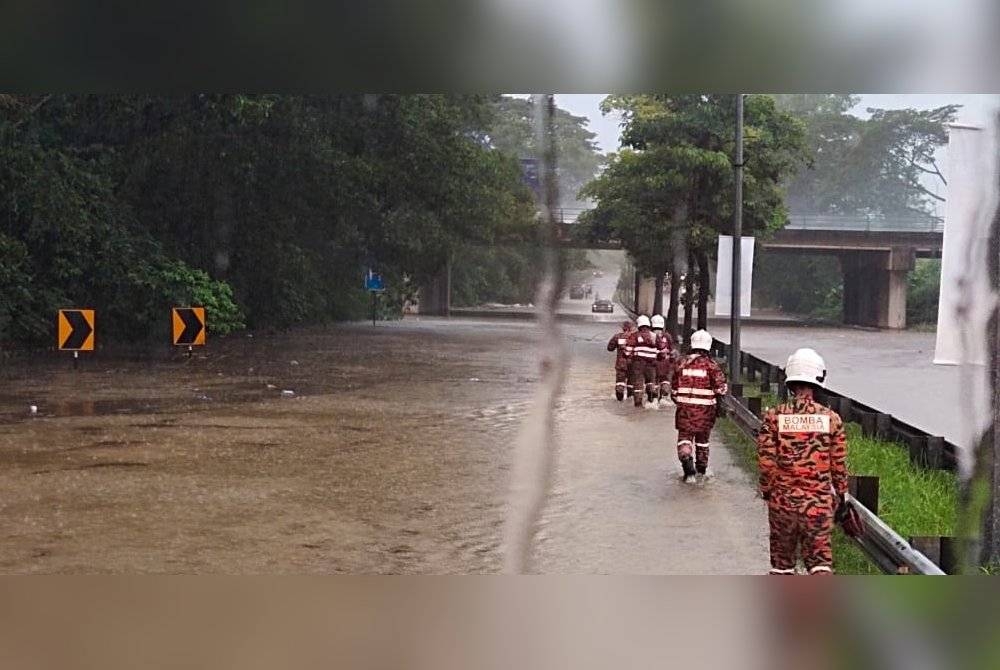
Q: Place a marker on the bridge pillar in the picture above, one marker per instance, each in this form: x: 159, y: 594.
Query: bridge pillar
x: 646, y: 296
x: 435, y: 295
x: 875, y: 286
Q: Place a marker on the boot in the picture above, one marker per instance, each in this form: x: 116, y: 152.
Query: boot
x: 620, y: 393
x: 689, y: 473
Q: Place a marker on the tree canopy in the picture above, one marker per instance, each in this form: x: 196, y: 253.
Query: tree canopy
x: 267, y: 208
x: 676, y: 173
x: 884, y: 165
x: 513, y: 132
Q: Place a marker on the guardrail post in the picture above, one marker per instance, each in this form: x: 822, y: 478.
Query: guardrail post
x: 940, y: 550
x: 934, y: 453
x: 883, y: 426
x: 865, y: 489
x: 868, y: 423
x: 754, y: 405
x: 918, y: 450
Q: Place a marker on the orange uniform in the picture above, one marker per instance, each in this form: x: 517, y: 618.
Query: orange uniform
x: 802, y: 452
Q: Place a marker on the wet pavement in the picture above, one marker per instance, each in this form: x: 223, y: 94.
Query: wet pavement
x: 391, y: 455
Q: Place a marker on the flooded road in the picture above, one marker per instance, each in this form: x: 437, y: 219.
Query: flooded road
x: 390, y: 454
x: 891, y: 371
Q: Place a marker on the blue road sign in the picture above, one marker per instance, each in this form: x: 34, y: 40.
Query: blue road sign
x: 373, y: 281
x: 530, y: 174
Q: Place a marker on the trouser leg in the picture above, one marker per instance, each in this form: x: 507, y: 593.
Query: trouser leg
x: 784, y: 531
x: 650, y: 382
x: 685, y: 451
x: 701, y: 452
x: 638, y: 382
x: 630, y: 378
x: 817, y: 550
x: 621, y: 383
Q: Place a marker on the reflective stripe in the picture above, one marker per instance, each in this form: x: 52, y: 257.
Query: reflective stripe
x: 820, y: 568
x: 693, y: 391
x: 680, y: 442
x: 694, y: 373
x: 620, y: 384
x: 780, y: 571
x: 695, y: 401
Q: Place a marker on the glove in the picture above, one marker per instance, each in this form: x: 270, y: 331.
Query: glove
x: 849, y: 519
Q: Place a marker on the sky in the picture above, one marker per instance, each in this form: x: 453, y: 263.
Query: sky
x: 975, y: 111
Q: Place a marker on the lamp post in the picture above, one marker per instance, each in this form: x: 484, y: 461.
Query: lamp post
x: 734, y: 334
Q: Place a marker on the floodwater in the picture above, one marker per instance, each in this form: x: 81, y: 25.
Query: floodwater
x: 390, y: 455
x: 891, y: 371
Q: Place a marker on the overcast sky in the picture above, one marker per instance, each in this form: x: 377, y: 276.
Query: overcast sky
x: 975, y: 111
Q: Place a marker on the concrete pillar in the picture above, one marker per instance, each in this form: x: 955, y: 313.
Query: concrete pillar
x: 646, y: 296
x: 875, y: 287
x: 901, y: 262
x: 435, y: 295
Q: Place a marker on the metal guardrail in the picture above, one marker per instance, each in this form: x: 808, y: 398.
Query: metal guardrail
x: 885, y: 547
x: 898, y: 224
x: 865, y: 224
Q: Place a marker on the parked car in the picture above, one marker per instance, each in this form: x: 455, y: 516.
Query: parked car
x: 601, y: 305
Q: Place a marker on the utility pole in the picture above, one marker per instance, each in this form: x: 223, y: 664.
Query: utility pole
x: 734, y: 331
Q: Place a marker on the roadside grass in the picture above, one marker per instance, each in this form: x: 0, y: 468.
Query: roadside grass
x: 913, y: 501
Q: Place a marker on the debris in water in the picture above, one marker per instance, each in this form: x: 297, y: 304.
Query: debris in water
x: 33, y: 409
x: 293, y: 363
x: 271, y: 387
x: 475, y: 379
x: 287, y: 394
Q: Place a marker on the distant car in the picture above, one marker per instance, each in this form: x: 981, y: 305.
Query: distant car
x: 576, y: 292
x: 598, y: 273
x: 605, y: 306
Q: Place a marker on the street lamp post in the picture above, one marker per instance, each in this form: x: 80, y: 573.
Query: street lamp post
x: 734, y: 334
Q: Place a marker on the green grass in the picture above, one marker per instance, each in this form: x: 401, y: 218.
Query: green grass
x: 913, y: 501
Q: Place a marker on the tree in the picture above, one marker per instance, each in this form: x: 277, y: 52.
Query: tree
x: 508, y: 271
x: 513, y: 132
x: 670, y: 190
x: 882, y: 166
x: 276, y: 203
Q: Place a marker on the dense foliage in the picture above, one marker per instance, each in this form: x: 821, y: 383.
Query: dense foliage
x: 508, y: 273
x: 267, y: 209
x: 670, y: 189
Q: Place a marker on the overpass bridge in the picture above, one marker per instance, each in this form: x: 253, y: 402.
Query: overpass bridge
x: 876, y: 254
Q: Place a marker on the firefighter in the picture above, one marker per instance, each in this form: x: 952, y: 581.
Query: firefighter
x: 801, y: 451
x: 665, y: 361
x: 623, y: 383
x: 642, y: 352
x: 697, y: 387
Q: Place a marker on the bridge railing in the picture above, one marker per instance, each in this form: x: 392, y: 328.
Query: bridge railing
x: 866, y: 224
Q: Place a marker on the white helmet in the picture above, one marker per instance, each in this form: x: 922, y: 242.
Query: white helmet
x: 805, y: 365
x: 643, y: 320
x: 658, y: 321
x: 701, y: 339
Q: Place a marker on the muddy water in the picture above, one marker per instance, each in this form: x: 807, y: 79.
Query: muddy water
x: 391, y: 457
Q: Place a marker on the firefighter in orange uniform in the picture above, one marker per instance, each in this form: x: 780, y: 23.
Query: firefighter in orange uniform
x: 697, y: 385
x: 802, y: 452
x: 617, y: 343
